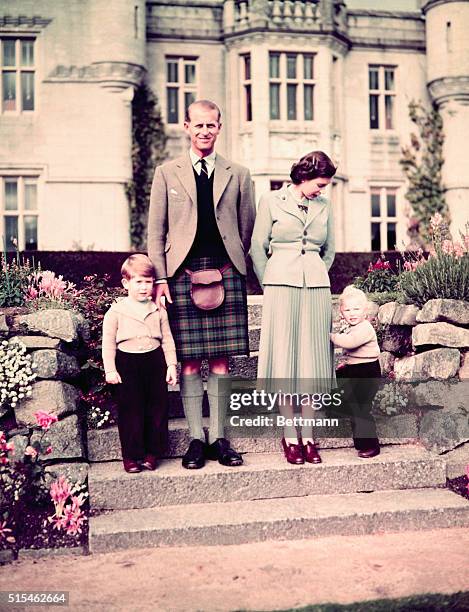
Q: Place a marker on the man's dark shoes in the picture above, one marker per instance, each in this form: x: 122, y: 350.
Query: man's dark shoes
x: 222, y: 452
x: 368, y: 453
x: 149, y: 463
x: 194, y: 459
x: 130, y: 466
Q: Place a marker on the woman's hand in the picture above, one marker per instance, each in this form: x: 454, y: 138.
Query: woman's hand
x: 171, y: 375
x: 113, y: 378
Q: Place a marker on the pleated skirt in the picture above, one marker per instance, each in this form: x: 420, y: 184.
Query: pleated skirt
x: 295, y: 346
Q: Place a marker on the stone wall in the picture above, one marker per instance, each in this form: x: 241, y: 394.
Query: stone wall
x: 425, y: 358
x: 55, y: 339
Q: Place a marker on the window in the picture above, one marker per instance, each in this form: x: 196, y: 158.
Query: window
x: 382, y: 93
x: 383, y: 219
x: 291, y: 86
x: 181, y: 87
x: 18, y: 209
x: 246, y: 68
x: 17, y: 68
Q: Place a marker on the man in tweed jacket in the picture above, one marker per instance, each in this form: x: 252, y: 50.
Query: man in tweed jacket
x: 201, y: 216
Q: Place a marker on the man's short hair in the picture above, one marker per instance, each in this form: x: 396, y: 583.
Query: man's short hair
x: 137, y: 264
x: 207, y: 104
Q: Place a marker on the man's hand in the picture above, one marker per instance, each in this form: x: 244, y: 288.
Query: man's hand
x: 113, y: 378
x: 171, y: 375
x: 162, y: 291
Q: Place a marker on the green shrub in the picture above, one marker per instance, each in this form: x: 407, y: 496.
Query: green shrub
x: 379, y: 278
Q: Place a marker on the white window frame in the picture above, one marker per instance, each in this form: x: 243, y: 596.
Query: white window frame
x: 182, y: 87
x: 382, y: 94
x: 383, y: 218
x: 18, y: 69
x: 20, y: 212
x: 299, y: 81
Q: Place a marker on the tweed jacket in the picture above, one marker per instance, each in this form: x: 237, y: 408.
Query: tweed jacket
x: 172, y: 219
x: 286, y: 249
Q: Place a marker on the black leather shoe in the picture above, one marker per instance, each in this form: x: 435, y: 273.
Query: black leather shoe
x: 194, y: 459
x: 222, y: 452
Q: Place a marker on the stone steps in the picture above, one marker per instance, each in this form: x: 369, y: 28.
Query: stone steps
x: 310, y: 516
x: 264, y: 476
x: 103, y: 444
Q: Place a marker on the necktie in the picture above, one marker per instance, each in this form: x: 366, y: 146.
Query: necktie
x: 204, y: 170
x: 303, y: 207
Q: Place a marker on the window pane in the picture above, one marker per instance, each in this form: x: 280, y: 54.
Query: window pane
x: 248, y: 103
x: 189, y: 73
x: 172, y: 105
x: 276, y: 185
x: 391, y: 204
x: 274, y: 65
x: 375, y: 207
x: 11, y: 195
x: 274, y: 101
x: 375, y: 237
x: 30, y: 233
x: 11, y: 233
x: 374, y: 118
x: 308, y: 67
x: 308, y: 102
x: 172, y: 72
x: 27, y: 91
x: 291, y: 66
x: 247, y: 67
x: 27, y: 53
x: 30, y: 196
x: 9, y: 91
x: 373, y: 78
x: 291, y: 102
x: 189, y: 97
x: 8, y: 55
x: 389, y: 111
x: 391, y: 236
x: 389, y: 80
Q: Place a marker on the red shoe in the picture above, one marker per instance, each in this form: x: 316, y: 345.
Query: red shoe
x: 149, y: 463
x: 369, y: 453
x: 310, y: 453
x: 131, y: 466
x: 293, y: 453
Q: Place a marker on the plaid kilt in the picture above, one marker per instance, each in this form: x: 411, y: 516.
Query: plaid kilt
x: 206, y: 334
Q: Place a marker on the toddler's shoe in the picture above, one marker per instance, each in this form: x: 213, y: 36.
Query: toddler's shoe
x: 131, y: 466
x: 149, y: 463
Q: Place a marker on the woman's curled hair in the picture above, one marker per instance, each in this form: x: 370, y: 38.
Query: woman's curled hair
x: 313, y: 165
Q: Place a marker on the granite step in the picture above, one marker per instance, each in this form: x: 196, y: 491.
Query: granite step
x: 311, y: 516
x: 265, y: 475
x: 103, y: 444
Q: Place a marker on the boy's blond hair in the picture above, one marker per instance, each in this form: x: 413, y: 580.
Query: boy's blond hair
x: 138, y: 263
x: 353, y: 292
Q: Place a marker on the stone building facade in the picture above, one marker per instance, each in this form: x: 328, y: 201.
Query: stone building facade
x: 290, y: 76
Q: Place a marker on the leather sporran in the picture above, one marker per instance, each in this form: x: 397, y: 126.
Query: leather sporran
x: 207, y: 290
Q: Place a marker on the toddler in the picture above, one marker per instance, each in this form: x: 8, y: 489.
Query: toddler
x: 140, y: 358
x: 360, y: 375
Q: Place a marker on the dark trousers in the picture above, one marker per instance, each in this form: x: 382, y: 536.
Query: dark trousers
x: 142, y: 403
x: 359, y: 383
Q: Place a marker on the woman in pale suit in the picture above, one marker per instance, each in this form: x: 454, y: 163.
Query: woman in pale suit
x: 292, y: 250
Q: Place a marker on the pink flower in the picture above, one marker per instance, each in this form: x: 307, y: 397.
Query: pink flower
x: 458, y: 250
x: 4, y: 531
x: 48, y: 450
x: 436, y: 220
x: 45, y: 419
x: 466, y: 242
x: 447, y: 247
x: 60, y: 490
x: 31, y: 293
x: 30, y: 452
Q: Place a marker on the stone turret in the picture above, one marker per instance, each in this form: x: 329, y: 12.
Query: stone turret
x: 447, y: 24
x: 117, y: 36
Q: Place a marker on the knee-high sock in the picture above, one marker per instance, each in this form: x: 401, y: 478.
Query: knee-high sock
x: 192, y: 394
x: 218, y: 397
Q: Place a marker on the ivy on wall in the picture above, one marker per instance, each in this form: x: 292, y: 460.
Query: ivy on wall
x: 148, y: 150
x: 422, y: 163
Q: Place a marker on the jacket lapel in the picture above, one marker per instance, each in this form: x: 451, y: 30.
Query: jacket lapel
x: 185, y: 174
x: 288, y: 204
x: 221, y: 178
x: 315, y: 209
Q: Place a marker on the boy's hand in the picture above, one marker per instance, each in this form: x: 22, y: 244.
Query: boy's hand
x: 113, y: 378
x: 171, y: 375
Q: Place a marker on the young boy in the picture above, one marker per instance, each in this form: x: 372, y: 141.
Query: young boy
x: 140, y: 357
x: 359, y: 376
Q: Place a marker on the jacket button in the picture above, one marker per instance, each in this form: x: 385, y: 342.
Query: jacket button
x: 303, y: 241
x: 305, y: 233
x: 303, y: 251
